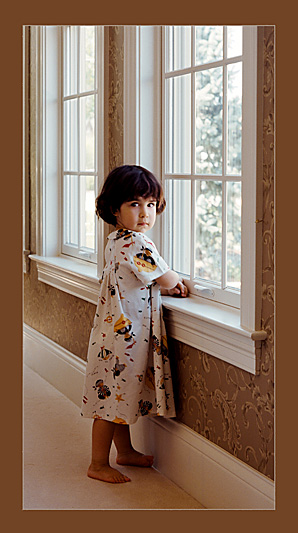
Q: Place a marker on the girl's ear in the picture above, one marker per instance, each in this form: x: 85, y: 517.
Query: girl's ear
x: 115, y: 213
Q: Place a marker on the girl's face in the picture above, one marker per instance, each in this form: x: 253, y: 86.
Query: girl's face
x: 137, y: 215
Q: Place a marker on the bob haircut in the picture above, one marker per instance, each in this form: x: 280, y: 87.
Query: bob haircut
x: 125, y: 183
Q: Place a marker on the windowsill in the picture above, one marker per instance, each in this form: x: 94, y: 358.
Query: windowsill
x: 215, y: 329
x: 70, y: 275
x: 204, y: 325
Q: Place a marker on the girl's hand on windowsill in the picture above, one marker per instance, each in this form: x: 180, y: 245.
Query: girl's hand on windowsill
x: 180, y: 290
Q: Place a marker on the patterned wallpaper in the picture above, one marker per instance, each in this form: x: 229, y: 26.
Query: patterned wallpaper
x: 115, y: 95
x: 226, y: 405
x: 62, y: 317
x: 229, y: 406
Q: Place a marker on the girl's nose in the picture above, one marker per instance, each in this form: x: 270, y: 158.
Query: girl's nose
x: 143, y: 212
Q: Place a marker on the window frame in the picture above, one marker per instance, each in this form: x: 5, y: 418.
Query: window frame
x: 26, y: 150
x: 247, y: 178
x: 68, y: 249
x: 73, y: 275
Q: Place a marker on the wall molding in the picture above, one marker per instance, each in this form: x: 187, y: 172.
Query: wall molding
x: 208, y: 473
x: 69, y: 275
x: 217, y: 334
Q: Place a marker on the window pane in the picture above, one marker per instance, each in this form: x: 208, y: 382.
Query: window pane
x: 234, y: 234
x: 87, y: 58
x: 70, y: 135
x: 209, y: 90
x: 234, y: 118
x: 178, y: 46
x: 178, y: 94
x: 87, y: 123
x: 234, y: 35
x: 209, y: 44
x: 208, y: 230
x: 179, y: 207
x: 71, y: 60
x: 71, y: 210
x: 87, y: 212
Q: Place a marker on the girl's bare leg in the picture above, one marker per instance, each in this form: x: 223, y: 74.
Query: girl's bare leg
x: 102, y: 436
x: 126, y: 454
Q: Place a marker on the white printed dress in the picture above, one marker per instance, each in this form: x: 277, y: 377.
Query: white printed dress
x: 128, y: 371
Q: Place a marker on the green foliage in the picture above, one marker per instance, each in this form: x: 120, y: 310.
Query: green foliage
x: 209, y: 154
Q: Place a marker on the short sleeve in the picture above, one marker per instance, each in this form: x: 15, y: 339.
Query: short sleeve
x: 141, y: 255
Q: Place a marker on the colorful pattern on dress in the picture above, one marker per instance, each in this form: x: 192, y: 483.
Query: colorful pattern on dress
x: 128, y: 371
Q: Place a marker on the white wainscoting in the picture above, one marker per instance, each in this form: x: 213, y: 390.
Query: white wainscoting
x: 214, y: 477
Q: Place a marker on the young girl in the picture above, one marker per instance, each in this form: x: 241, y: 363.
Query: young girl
x: 128, y: 371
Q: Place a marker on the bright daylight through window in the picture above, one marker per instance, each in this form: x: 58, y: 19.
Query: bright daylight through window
x: 80, y: 140
x: 204, y: 68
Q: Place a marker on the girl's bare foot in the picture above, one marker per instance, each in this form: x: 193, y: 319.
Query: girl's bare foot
x: 106, y: 473
x: 134, y: 458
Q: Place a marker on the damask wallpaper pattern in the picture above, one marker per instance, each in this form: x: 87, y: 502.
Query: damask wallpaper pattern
x: 115, y: 95
x: 229, y: 406
x: 62, y: 317
x: 226, y: 405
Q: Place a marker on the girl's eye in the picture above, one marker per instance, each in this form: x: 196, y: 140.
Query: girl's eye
x: 136, y: 204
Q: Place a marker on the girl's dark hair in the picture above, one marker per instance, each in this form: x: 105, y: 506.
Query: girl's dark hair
x: 126, y: 183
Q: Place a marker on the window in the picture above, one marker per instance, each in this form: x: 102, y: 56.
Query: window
x: 69, y: 150
x: 80, y: 141
x: 209, y: 154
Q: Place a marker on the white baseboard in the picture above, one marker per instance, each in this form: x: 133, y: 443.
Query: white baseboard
x: 205, y: 471
x: 64, y: 370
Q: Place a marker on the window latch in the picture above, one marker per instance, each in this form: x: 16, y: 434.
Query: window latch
x: 204, y: 291
x: 85, y: 255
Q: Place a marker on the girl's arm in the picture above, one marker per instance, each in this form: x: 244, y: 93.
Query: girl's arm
x: 168, y: 280
x: 171, y: 284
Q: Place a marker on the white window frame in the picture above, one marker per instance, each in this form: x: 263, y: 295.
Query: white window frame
x: 73, y: 275
x: 80, y: 251
x: 231, y: 334
x: 26, y: 153
x: 248, y: 59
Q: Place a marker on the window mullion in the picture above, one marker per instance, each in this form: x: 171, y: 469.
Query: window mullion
x: 193, y: 107
x: 173, y: 128
x: 78, y: 95
x: 224, y: 236
x: 224, y: 120
x: 193, y: 223
x: 204, y: 66
x: 79, y: 140
x: 193, y: 156
x: 224, y: 152
x: 64, y: 216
